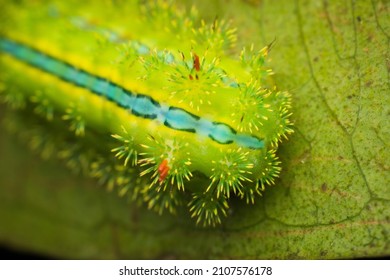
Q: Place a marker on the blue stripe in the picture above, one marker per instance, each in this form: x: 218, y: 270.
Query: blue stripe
x: 138, y: 104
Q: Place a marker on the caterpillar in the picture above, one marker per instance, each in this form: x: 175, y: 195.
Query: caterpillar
x: 146, y: 97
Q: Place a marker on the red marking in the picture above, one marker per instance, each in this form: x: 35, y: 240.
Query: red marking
x: 190, y: 76
x: 163, y: 170
x: 196, y: 62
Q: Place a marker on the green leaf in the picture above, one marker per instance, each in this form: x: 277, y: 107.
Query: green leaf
x: 332, y: 199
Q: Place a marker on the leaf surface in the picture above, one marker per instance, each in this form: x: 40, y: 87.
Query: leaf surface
x: 332, y: 199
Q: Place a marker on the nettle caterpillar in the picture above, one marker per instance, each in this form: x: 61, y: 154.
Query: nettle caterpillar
x: 146, y: 97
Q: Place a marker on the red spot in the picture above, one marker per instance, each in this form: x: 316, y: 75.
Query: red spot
x: 196, y: 62
x: 190, y: 76
x: 163, y: 170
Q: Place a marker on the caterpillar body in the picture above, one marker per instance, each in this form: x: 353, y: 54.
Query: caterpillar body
x: 191, y: 123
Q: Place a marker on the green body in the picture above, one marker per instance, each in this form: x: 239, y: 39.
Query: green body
x: 163, y: 57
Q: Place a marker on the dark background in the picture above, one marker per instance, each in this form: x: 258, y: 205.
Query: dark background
x: 11, y: 254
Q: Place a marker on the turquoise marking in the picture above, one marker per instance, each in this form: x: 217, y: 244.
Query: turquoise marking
x: 245, y: 141
x: 83, y: 79
x: 110, y: 94
x: 124, y: 99
x: 222, y: 133
x: 70, y: 74
x: 138, y: 104
x: 99, y: 86
x: 144, y: 107
x: 162, y: 114
x: 204, y: 127
x: 181, y: 120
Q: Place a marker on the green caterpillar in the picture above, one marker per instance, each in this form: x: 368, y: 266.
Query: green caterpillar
x: 192, y: 119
